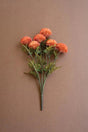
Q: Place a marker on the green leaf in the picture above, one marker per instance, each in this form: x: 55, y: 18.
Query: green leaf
x: 49, y: 68
x: 38, y: 67
x: 34, y: 66
x: 30, y: 51
x: 48, y: 49
x: 30, y: 64
x: 33, y: 73
x: 38, y: 58
x: 38, y: 51
x: 55, y: 53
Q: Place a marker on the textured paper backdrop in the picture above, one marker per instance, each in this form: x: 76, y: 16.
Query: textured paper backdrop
x: 66, y: 90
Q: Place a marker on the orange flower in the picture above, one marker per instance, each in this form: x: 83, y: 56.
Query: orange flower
x: 33, y: 44
x: 51, y: 42
x: 39, y: 38
x: 46, y: 32
x: 25, y: 40
x: 62, y: 47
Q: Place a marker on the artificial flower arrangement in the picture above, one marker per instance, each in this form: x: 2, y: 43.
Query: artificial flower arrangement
x: 42, y: 52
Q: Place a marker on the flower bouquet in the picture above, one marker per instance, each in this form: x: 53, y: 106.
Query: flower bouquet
x: 42, y: 53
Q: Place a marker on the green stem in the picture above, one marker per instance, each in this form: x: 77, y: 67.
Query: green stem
x: 28, y: 51
x: 41, y: 98
x: 36, y: 72
x: 49, y: 58
x: 41, y: 93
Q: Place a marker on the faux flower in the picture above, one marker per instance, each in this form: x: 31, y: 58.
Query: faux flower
x: 62, y: 47
x: 42, y: 60
x: 25, y: 40
x: 46, y: 32
x: 51, y: 42
x: 33, y: 44
x: 39, y: 38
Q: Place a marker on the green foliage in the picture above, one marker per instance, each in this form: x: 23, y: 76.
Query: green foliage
x: 40, y: 59
x: 48, y: 50
x: 38, y: 67
x: 51, y: 51
x: 43, y: 45
x: 49, y: 68
x: 37, y: 51
x: 28, y: 50
x: 34, y: 66
x: 24, y: 49
x: 41, y: 62
x: 30, y: 64
x: 33, y: 73
x: 55, y: 53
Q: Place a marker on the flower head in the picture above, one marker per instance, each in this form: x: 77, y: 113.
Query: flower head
x: 25, y: 40
x: 62, y: 47
x: 33, y: 44
x: 39, y: 38
x: 51, y: 42
x: 46, y: 32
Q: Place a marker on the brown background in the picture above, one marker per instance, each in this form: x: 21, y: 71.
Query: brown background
x: 66, y: 90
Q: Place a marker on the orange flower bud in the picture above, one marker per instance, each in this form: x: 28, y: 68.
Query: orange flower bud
x: 46, y: 32
x: 39, y: 38
x: 62, y: 47
x: 33, y: 44
x: 25, y: 40
x: 51, y: 42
